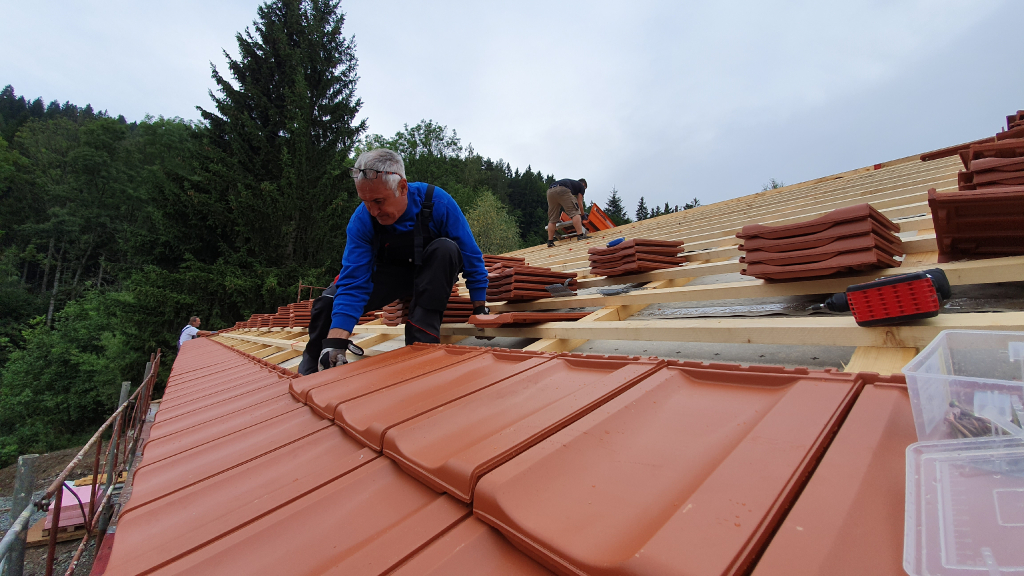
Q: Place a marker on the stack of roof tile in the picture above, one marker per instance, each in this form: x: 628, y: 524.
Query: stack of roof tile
x: 394, y: 313
x: 992, y: 165
x: 370, y: 316
x: 459, y: 308
x: 985, y: 218
x: 508, y: 282
x: 1015, y: 120
x: 299, y: 314
x: 854, y: 238
x: 491, y: 260
x: 634, y: 256
x: 260, y: 320
x: 283, y: 317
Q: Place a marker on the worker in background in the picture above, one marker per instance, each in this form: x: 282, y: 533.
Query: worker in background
x: 191, y: 330
x: 404, y: 240
x: 566, y: 195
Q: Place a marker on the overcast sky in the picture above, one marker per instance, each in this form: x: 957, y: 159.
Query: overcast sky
x: 669, y: 100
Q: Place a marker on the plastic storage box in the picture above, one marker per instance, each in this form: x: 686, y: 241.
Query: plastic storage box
x: 968, y: 384
x: 965, y: 507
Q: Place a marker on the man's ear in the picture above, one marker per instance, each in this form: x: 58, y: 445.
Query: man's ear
x: 403, y: 187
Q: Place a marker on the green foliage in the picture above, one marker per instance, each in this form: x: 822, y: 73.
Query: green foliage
x: 641, y: 210
x: 772, y: 184
x: 434, y: 155
x: 616, y: 210
x: 493, y: 227
x: 692, y: 204
x: 282, y: 131
x: 65, y: 381
x: 121, y: 231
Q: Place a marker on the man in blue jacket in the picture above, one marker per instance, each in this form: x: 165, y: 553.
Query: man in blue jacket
x: 405, y: 239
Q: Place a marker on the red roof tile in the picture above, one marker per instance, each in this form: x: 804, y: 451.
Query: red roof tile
x: 366, y: 522
x: 471, y: 549
x: 890, y: 245
x: 663, y: 453
x: 300, y: 387
x: 820, y: 224
x: 200, y: 514
x: 324, y: 400
x: 849, y: 518
x: 686, y: 473
x: 369, y: 417
x: 157, y: 479
x: 452, y: 446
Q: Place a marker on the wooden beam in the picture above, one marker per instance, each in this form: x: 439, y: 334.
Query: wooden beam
x: 609, y: 313
x: 881, y: 360
x: 1010, y: 269
x: 283, y: 356
x: 826, y: 331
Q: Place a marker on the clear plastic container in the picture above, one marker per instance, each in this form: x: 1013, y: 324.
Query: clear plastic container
x: 965, y: 507
x: 968, y: 384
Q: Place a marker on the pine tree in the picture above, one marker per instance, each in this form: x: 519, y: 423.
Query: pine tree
x: 691, y: 204
x: 282, y: 131
x: 615, y: 210
x: 641, y: 210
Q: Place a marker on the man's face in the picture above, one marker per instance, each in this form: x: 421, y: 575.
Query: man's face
x: 196, y: 323
x: 381, y: 201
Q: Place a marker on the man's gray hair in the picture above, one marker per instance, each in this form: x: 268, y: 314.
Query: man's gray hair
x: 383, y: 160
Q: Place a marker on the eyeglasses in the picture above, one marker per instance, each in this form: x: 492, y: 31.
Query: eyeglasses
x: 369, y: 173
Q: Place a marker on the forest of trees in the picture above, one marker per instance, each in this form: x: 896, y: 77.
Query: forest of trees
x: 114, y: 233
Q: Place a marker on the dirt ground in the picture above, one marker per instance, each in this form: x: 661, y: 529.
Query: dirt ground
x: 35, y: 558
x: 47, y: 467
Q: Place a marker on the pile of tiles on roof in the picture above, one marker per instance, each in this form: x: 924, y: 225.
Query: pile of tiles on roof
x: 517, y: 282
x: 854, y: 238
x: 370, y: 316
x: 394, y: 313
x: 291, y: 316
x: 635, y: 256
x: 491, y: 260
x: 459, y: 310
x: 985, y: 218
x: 1015, y: 120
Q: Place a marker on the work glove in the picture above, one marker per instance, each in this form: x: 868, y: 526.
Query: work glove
x: 333, y: 352
x: 477, y: 310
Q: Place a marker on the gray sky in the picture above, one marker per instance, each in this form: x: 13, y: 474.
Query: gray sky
x: 668, y: 100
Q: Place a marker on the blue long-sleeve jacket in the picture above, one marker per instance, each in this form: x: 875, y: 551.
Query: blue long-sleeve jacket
x: 357, y: 264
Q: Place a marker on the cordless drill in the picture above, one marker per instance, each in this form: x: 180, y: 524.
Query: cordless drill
x: 893, y: 299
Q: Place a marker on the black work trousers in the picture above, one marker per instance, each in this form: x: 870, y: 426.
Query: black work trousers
x: 429, y: 286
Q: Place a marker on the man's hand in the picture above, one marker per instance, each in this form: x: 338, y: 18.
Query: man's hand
x: 333, y: 353
x: 480, y: 308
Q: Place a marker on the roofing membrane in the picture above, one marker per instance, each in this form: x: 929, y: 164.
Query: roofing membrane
x: 500, y: 462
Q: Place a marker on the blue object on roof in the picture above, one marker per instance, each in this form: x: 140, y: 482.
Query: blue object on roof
x: 616, y: 242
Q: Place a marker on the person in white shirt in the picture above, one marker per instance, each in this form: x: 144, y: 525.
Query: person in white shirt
x: 191, y: 330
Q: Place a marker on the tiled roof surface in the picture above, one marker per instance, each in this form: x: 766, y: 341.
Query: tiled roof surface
x: 510, y: 462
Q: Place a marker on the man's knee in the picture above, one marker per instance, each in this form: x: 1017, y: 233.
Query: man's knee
x: 443, y: 250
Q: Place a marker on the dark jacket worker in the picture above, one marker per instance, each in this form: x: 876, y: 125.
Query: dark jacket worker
x: 405, y: 239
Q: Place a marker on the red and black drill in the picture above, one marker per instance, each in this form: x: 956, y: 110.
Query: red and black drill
x: 894, y: 299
